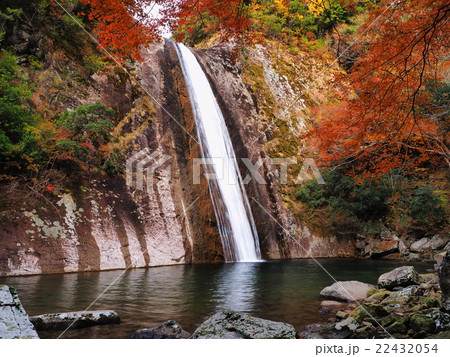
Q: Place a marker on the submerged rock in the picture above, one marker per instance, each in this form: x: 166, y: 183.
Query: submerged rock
x: 76, y: 319
x: 229, y: 324
x: 168, y: 330
x: 402, y: 276
x: 327, y: 306
x: 14, y: 321
x: 346, y: 291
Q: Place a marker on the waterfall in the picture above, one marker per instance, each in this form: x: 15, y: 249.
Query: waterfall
x: 231, y: 207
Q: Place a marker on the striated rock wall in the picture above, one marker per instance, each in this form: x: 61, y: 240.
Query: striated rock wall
x: 14, y: 321
x: 101, y: 223
x: 282, y: 236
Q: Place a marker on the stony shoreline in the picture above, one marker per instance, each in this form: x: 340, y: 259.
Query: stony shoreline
x: 404, y: 304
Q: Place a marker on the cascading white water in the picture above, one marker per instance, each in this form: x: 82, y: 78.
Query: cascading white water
x: 234, y: 217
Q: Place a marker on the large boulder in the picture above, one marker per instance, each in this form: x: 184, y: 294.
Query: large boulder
x: 444, y: 281
x: 439, y: 241
x: 436, y: 242
x: 168, y: 330
x: 14, y: 321
x: 401, y: 296
x: 76, y: 319
x: 420, y: 245
x: 402, y: 276
x: 346, y: 291
x: 229, y: 324
x: 380, y: 248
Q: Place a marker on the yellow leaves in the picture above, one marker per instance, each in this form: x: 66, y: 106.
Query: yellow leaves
x: 316, y: 7
x: 282, y: 7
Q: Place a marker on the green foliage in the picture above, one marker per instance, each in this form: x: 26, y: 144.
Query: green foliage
x: 15, y: 117
x: 333, y: 13
x: 93, y: 63
x: 90, y: 124
x: 366, y: 201
x: 343, y: 205
x: 9, y: 15
x: 439, y: 105
x: 427, y: 207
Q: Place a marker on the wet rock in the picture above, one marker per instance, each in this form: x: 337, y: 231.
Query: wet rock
x: 438, y: 257
x: 349, y: 323
x: 330, y: 305
x: 229, y: 324
x: 439, y: 241
x: 402, y: 276
x: 377, y: 294
x: 366, y: 331
x: 14, y: 321
x: 420, y: 245
x: 444, y: 281
x: 413, y: 257
x: 429, y: 278
x: 369, y: 312
x: 447, y: 247
x: 420, y: 322
x: 377, y: 249
x: 402, y: 247
x: 401, y: 296
x: 341, y: 315
x: 168, y: 330
x: 387, y: 234
x: 441, y: 319
x: 396, y: 328
x: 346, y: 291
x: 76, y: 319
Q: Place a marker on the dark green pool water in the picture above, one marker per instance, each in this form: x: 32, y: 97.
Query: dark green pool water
x: 285, y: 291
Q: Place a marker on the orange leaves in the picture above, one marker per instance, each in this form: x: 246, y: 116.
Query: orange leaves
x: 386, y: 125
x: 123, y: 26
x: 230, y: 18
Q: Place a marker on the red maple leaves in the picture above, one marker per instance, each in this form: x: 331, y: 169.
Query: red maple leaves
x: 387, y: 124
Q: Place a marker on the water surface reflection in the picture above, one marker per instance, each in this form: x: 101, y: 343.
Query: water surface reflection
x: 277, y: 290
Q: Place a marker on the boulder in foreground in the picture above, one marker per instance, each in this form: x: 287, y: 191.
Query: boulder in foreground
x: 76, y: 319
x: 346, y: 291
x: 14, y: 321
x: 402, y: 276
x: 229, y: 324
x: 168, y: 330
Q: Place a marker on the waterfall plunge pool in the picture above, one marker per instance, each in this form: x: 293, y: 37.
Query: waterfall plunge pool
x: 285, y: 291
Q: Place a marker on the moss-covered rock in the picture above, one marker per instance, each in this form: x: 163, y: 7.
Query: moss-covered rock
x: 397, y: 327
x: 368, y: 312
x: 231, y: 324
x: 421, y: 322
x: 380, y: 294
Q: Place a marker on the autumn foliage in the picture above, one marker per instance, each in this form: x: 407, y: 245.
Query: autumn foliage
x: 392, y: 120
x: 123, y: 26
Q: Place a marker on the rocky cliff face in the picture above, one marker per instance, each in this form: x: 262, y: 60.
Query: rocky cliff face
x: 102, y: 223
